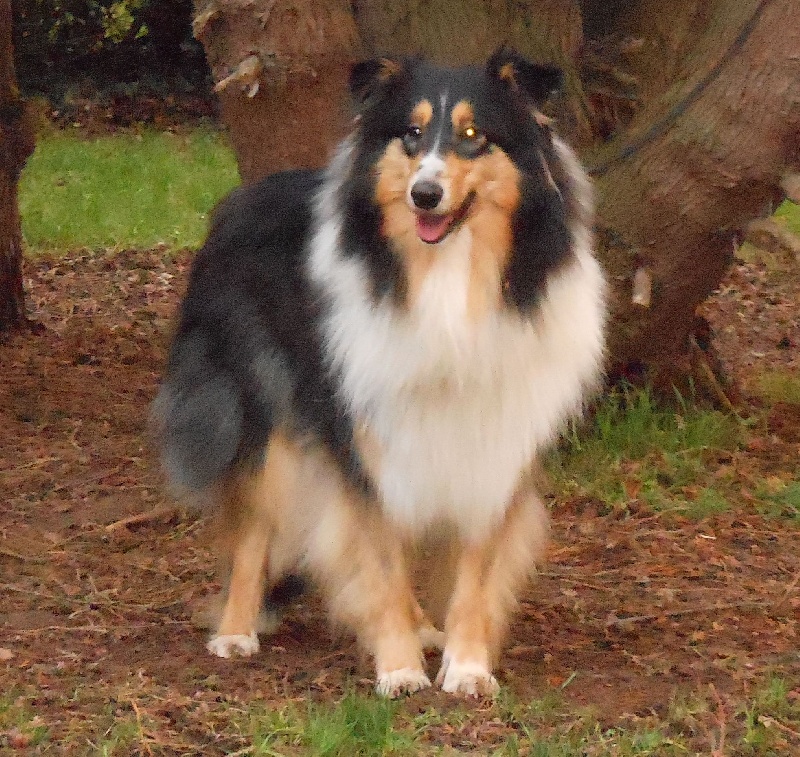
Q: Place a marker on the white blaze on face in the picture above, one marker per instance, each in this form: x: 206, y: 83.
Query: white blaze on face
x: 432, y: 167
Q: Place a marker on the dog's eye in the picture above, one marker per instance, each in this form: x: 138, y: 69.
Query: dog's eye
x: 411, y: 139
x: 471, y: 142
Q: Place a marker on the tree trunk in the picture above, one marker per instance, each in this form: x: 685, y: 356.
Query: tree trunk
x: 718, y: 121
x: 281, y: 69
x: 16, y: 144
x: 670, y: 214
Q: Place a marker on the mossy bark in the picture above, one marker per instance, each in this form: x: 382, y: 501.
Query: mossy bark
x: 16, y: 144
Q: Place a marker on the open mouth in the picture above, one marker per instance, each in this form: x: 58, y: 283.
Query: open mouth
x: 434, y: 227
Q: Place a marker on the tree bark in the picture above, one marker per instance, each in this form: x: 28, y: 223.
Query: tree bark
x: 281, y: 69
x: 672, y: 212
x: 16, y: 144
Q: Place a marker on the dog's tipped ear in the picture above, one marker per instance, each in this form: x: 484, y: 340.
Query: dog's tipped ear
x: 535, y: 81
x: 370, y: 76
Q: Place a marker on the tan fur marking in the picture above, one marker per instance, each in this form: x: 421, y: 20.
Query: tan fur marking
x: 388, y: 69
x: 462, y: 116
x: 362, y: 568
x: 368, y: 450
x: 495, y: 182
x: 297, y: 510
x: 508, y: 74
x: 422, y: 114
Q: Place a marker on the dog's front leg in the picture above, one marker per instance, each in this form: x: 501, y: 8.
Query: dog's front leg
x: 359, y: 560
x: 489, y: 574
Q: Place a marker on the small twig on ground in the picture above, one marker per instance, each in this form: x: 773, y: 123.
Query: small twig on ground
x: 241, y: 752
x: 573, y: 581
x: 22, y: 590
x: 769, y: 722
x: 100, y: 629
x: 614, y: 620
x: 136, y: 520
x: 22, y: 558
x: 75, y: 483
x: 707, y: 374
x: 722, y: 722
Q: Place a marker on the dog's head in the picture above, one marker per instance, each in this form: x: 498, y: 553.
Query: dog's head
x: 438, y: 150
x: 449, y: 145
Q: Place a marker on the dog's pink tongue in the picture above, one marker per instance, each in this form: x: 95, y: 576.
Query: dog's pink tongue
x: 432, y: 228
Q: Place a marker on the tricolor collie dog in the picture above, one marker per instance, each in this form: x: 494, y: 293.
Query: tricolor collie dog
x: 371, y: 358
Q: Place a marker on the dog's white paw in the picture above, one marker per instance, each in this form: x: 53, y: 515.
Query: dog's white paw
x: 238, y: 643
x: 402, y: 681
x: 468, y: 678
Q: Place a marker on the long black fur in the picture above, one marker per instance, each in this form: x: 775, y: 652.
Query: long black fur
x: 246, y: 355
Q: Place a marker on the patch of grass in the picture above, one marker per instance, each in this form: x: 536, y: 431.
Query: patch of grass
x: 120, y: 739
x: 635, y: 448
x: 551, y: 728
x: 357, y: 725
x: 779, y: 386
x: 366, y: 725
x: 768, y: 718
x: 789, y: 213
x: 127, y: 190
x: 779, y: 499
x: 22, y: 729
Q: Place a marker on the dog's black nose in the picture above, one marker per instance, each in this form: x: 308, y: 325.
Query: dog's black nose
x: 426, y: 194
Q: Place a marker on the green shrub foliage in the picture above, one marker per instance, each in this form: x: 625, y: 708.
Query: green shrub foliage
x: 106, y: 46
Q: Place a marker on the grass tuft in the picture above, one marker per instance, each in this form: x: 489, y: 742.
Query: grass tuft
x: 21, y: 728
x: 635, y: 448
x: 357, y: 725
x: 126, y: 190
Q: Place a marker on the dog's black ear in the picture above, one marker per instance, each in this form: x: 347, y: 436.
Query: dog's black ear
x: 371, y: 76
x: 535, y: 81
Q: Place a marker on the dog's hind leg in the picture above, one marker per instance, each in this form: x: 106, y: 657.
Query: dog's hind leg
x: 249, y: 506
x: 489, y: 575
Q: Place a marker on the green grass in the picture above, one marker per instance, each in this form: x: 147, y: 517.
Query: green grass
x: 18, y: 722
x: 357, y: 725
x: 779, y: 386
x: 126, y: 190
x: 782, y: 500
x: 635, y: 448
x: 789, y: 213
x: 546, y: 727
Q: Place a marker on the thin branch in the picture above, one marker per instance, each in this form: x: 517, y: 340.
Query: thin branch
x: 614, y: 620
x: 136, y: 520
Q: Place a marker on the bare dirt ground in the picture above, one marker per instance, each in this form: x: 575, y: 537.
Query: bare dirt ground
x: 96, y: 614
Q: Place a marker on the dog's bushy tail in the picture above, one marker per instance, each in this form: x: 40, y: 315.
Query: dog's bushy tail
x: 198, y: 415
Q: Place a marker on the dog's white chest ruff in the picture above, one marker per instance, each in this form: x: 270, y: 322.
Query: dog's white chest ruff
x: 459, y: 408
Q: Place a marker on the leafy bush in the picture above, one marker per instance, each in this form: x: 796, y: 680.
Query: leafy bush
x: 63, y: 44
